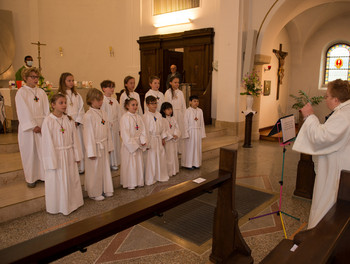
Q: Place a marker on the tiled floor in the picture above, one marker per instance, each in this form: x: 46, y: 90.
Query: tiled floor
x: 258, y: 167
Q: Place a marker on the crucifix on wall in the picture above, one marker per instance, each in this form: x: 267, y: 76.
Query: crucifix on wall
x: 281, y: 55
x: 39, y: 58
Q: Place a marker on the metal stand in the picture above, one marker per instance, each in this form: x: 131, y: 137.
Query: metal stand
x: 280, y: 212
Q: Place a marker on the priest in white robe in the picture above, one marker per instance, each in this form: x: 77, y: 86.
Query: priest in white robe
x: 32, y: 107
x: 331, y: 143
x: 61, y: 150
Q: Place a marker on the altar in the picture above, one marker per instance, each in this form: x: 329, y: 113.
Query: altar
x: 9, y: 95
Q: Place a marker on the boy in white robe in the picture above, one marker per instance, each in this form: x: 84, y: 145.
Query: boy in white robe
x: 155, y: 159
x: 111, y: 107
x: 98, y: 145
x: 32, y: 107
x: 134, y: 140
x: 331, y: 142
x: 154, y: 83
x: 194, y: 132
x: 61, y: 151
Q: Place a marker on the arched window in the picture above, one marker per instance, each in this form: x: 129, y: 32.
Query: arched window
x: 337, y: 63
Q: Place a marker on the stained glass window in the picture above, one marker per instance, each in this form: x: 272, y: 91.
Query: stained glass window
x: 337, y: 64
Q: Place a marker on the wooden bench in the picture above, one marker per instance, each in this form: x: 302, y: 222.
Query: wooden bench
x: 227, y: 240
x: 328, y: 242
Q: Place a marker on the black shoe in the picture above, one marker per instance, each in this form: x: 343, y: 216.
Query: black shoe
x: 194, y: 167
x: 31, y: 185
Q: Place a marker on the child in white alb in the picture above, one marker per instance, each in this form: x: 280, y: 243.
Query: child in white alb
x: 173, y: 134
x: 61, y: 152
x: 111, y: 107
x: 32, y: 107
x: 98, y: 145
x: 154, y: 83
x: 75, y: 108
x: 194, y: 132
x: 176, y: 97
x: 129, y: 86
x: 134, y: 140
x: 155, y: 159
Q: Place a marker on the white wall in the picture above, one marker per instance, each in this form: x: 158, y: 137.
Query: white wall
x: 308, y: 71
x: 85, y: 29
x: 270, y: 108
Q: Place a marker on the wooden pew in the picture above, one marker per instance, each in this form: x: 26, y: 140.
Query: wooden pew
x: 328, y: 242
x: 227, y: 240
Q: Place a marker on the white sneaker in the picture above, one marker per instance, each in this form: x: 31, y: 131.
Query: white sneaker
x: 114, y: 168
x: 109, y: 194
x: 98, y: 198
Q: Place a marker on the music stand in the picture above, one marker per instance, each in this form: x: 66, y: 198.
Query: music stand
x: 287, y: 126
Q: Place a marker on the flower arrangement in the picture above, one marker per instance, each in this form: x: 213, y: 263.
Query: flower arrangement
x: 252, y: 84
x: 46, y: 86
x: 303, y: 99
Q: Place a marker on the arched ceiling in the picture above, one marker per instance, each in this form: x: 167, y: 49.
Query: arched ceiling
x: 307, y: 16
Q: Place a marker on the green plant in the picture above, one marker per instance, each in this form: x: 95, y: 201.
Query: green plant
x: 303, y: 99
x: 252, y: 84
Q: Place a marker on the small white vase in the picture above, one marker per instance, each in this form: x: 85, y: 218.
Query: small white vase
x: 250, y: 100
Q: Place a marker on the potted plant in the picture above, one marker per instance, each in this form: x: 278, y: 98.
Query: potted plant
x: 252, y: 86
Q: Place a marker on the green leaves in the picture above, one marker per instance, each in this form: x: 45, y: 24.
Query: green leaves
x: 303, y: 99
x: 252, y: 84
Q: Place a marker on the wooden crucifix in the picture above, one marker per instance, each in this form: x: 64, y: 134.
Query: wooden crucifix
x: 39, y: 58
x: 281, y: 55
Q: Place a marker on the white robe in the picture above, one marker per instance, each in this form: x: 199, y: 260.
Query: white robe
x: 194, y: 132
x: 75, y: 108
x: 98, y: 143
x: 179, y: 108
x: 155, y: 159
x: 331, y: 143
x: 134, y: 95
x: 157, y: 94
x: 31, y: 114
x: 111, y: 107
x: 172, y: 129
x: 133, y: 134
x: 61, y: 151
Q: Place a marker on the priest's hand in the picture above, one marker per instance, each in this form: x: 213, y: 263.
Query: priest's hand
x: 37, y: 129
x: 307, y: 110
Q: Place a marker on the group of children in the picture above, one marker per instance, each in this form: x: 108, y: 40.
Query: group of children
x: 57, y: 146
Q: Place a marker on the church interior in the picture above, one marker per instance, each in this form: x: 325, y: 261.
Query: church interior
x: 285, y: 42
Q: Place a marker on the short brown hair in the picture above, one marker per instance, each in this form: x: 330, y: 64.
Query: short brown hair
x: 93, y: 94
x: 152, y: 78
x: 339, y: 89
x: 26, y: 72
x: 107, y: 83
x: 150, y: 99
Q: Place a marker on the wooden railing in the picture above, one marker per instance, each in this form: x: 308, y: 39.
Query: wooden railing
x: 328, y: 242
x: 228, y: 244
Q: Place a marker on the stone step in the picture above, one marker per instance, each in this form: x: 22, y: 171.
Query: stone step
x: 17, y: 200
x: 9, y: 143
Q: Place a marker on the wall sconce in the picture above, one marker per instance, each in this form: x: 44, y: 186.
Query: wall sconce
x: 267, y: 68
x: 111, y: 51
x: 60, y: 49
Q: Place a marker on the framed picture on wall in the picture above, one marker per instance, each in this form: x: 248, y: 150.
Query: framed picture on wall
x: 267, y: 87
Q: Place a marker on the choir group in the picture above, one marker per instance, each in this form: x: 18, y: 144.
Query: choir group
x: 55, y: 147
